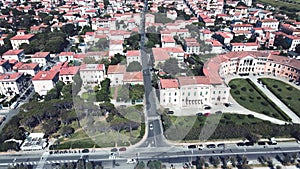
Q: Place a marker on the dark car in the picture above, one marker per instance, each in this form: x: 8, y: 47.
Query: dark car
x: 170, y: 112
x: 261, y: 143
x: 221, y: 145
x: 114, y: 150
x: 218, y: 112
x: 249, y: 144
x: 207, y: 107
x: 192, y: 146
x: 240, y: 144
x: 85, y: 151
x: 211, y: 146
x: 272, y: 143
x: 199, y: 114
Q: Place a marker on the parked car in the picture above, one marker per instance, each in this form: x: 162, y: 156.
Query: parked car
x: 206, y: 114
x: 151, y: 126
x: 122, y: 149
x: 221, y: 145
x: 206, y: 107
x: 170, y: 112
x: 211, y: 146
x: 85, y: 151
x: 218, y: 112
x: 199, y: 114
x: 261, y: 143
x: 240, y: 144
x: 192, y: 146
x: 131, y: 161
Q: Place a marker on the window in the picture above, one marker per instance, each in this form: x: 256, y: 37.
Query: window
x: 224, y: 92
x: 175, y: 93
x: 174, y: 100
x: 189, y: 93
x: 195, y: 93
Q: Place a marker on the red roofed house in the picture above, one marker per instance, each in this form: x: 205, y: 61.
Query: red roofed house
x: 133, y: 55
x: 244, y: 46
x: 44, y: 81
x: 92, y: 74
x: 168, y: 41
x: 115, y: 47
x: 169, y: 94
x: 66, y: 74
x: 12, y: 83
x: 160, y: 56
x: 17, y: 40
x: 133, y: 78
x: 29, y: 69
x: 4, y: 66
x: 42, y: 58
x: 66, y: 56
x: 116, y: 73
x: 14, y: 55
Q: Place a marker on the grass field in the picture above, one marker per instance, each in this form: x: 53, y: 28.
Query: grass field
x: 289, y: 95
x: 100, y: 134
x: 289, y: 5
x: 253, y: 99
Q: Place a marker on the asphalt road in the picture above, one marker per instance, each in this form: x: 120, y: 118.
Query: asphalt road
x: 165, y: 154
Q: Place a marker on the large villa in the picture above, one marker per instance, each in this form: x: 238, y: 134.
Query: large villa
x: 198, y: 91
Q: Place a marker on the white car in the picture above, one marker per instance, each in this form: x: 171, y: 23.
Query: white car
x: 112, y: 155
x: 151, y: 126
x: 131, y: 161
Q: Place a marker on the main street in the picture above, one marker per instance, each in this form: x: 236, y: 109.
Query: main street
x: 178, y: 154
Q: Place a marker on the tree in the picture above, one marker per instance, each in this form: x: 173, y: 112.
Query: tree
x: 50, y: 126
x: 67, y: 131
x: 102, y: 44
x: 239, y: 39
x: 171, y: 66
x: 118, y: 58
x: 253, y: 137
x: 134, y: 67
x: 67, y: 90
x: 136, y: 92
x: 140, y: 165
x: 104, y: 93
x: 154, y: 164
x: 69, y: 29
x: 59, y: 86
x: 52, y: 94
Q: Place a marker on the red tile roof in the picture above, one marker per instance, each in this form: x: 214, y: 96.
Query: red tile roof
x: 169, y: 83
x: 69, y: 70
x: 89, y: 67
x: 10, y: 76
x: 22, y: 37
x: 40, y: 55
x: 133, y: 77
x: 132, y: 53
x: 45, y: 75
x: 28, y: 66
x: 13, y: 52
x: 192, y: 80
x: 116, y: 69
x: 160, y: 54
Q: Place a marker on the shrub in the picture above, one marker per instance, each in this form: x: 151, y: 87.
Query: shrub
x: 250, y: 97
x: 237, y: 92
x: 233, y: 86
x: 265, y: 112
x: 279, y: 90
x: 222, y: 121
x: 227, y: 117
x: 251, y: 101
x: 244, y: 89
x: 240, y: 116
x: 290, y: 88
x: 243, y: 98
x: 289, y: 98
x: 264, y: 103
x: 258, y: 97
x: 251, y: 90
x: 250, y: 116
x: 275, y: 115
x: 275, y: 86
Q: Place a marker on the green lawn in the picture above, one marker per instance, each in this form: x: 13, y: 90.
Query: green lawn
x: 123, y: 93
x: 227, y: 126
x: 281, y: 3
x: 289, y: 95
x: 112, y: 92
x: 92, y: 136
x: 253, y: 99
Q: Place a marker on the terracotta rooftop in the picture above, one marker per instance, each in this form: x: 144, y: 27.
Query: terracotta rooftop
x: 13, y: 52
x: 22, y: 37
x: 28, y: 66
x: 92, y: 67
x: 40, y: 55
x: 116, y: 69
x: 169, y: 83
x: 133, y: 77
x: 160, y: 55
x: 10, y: 76
x: 45, y: 75
x: 69, y: 70
x: 132, y: 53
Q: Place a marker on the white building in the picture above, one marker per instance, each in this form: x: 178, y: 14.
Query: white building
x: 12, y: 83
x: 271, y: 23
x: 66, y: 74
x: 116, y: 73
x: 115, y: 47
x: 13, y: 55
x: 168, y: 41
x: 66, y: 56
x: 29, y: 69
x: 17, y: 40
x: 243, y: 47
x: 35, y: 141
x: 133, y: 55
x: 44, y: 81
x: 92, y: 74
x: 42, y: 58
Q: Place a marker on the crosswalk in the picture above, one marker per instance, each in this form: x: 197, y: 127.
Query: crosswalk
x: 34, y: 163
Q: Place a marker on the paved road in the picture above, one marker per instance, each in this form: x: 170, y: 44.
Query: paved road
x: 165, y: 154
x: 154, y: 137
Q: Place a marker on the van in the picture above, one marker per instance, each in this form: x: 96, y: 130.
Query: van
x: 14, y: 105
